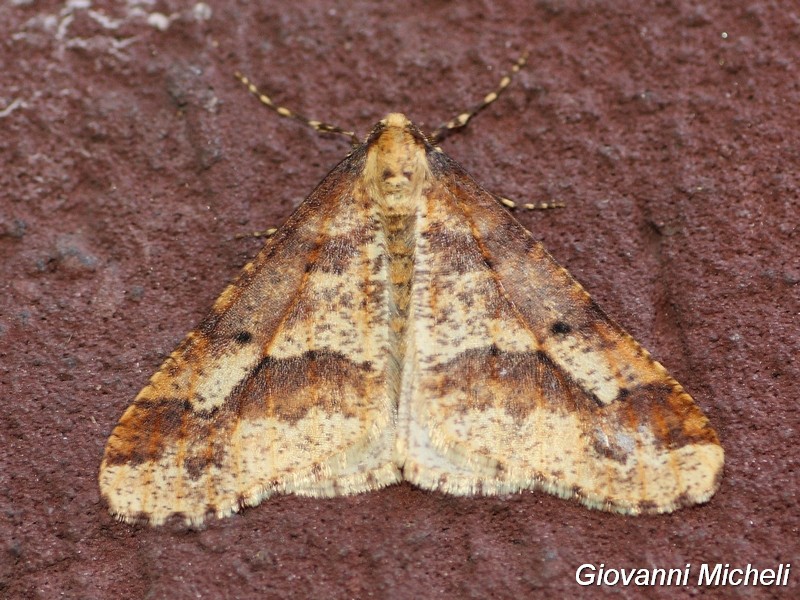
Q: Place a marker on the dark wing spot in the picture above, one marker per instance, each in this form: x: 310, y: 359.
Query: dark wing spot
x: 243, y: 337
x: 560, y: 328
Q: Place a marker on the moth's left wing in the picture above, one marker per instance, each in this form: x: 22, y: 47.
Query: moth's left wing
x: 520, y: 381
x: 284, y: 387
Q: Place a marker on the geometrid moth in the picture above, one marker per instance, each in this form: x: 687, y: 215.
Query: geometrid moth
x: 402, y: 325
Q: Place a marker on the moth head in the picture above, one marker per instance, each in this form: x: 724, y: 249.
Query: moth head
x: 397, y: 164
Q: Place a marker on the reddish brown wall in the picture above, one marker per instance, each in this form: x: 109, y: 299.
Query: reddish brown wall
x: 131, y: 157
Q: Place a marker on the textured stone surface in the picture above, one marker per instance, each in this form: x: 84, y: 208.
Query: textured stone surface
x: 131, y: 157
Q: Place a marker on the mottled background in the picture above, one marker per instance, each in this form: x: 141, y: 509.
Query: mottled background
x: 131, y: 158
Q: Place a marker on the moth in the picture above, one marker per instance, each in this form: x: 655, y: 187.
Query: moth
x: 402, y: 325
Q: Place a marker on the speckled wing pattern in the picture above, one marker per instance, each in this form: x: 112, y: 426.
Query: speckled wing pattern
x: 402, y: 325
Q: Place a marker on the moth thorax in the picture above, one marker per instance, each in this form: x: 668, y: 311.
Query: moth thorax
x: 397, y: 168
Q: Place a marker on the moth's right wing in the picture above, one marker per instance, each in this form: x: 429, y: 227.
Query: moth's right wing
x: 520, y: 381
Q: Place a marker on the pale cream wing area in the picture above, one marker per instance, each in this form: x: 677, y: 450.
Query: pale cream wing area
x: 283, y: 387
x: 519, y: 381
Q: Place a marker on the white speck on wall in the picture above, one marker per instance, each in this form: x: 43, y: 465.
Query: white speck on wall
x: 159, y: 21
x: 201, y: 11
x: 104, y: 20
